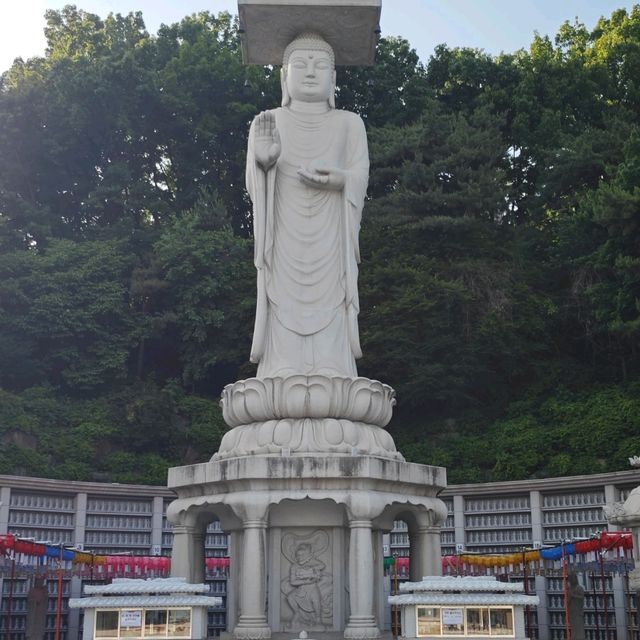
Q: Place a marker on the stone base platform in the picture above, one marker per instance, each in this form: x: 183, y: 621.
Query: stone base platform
x: 320, y: 635
x: 269, y: 476
x: 306, y: 537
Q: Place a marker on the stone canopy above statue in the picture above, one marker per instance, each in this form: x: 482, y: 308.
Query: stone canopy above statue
x: 351, y: 27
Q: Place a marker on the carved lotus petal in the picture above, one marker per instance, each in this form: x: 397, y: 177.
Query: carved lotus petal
x: 304, y: 436
x: 282, y: 433
x: 351, y: 434
x: 320, y: 397
x: 295, y: 397
x: 254, y: 400
x: 300, y: 396
x: 333, y: 432
x: 266, y: 433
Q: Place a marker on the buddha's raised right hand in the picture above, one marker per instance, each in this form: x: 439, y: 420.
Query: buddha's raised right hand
x: 267, y: 140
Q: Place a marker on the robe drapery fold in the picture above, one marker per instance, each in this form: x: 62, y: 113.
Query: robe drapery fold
x: 306, y: 246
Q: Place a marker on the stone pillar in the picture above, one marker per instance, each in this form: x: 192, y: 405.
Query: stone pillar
x: 537, y: 531
x: 80, y: 520
x: 415, y: 559
x: 73, y: 616
x: 542, y: 611
x: 187, y: 556
x: 252, y: 623
x: 458, y: 522
x: 156, y: 526
x: 611, y: 495
x: 5, y: 502
x: 424, y: 541
x: 80, y: 525
x: 362, y: 621
x: 620, y: 607
x: 233, y: 551
x: 425, y: 552
x: 380, y: 598
x: 198, y: 558
x: 75, y: 586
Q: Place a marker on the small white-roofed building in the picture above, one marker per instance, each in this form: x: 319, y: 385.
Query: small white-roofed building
x: 162, y: 608
x: 460, y: 607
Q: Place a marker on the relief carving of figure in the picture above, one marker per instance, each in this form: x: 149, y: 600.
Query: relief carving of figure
x: 307, y: 588
x: 307, y: 173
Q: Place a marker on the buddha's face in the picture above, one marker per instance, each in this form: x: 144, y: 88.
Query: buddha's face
x: 309, y: 75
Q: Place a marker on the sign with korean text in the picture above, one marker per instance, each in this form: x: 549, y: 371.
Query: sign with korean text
x: 131, y: 618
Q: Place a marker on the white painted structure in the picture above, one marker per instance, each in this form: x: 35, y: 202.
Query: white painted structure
x: 161, y: 608
x: 460, y: 607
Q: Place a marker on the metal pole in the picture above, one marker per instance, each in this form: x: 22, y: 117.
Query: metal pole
x: 567, y: 622
x: 595, y: 603
x: 7, y: 631
x: 395, y: 592
x: 526, y: 590
x: 604, y: 595
x: 59, y: 600
x: 630, y: 625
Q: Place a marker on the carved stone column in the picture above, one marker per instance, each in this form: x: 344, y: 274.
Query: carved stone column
x: 424, y: 552
x: 362, y: 621
x: 424, y: 540
x: 252, y: 623
x: 187, y: 557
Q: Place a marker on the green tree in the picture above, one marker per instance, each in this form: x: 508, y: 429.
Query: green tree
x: 391, y: 92
x: 64, y: 318
x: 210, y: 286
x: 499, y: 285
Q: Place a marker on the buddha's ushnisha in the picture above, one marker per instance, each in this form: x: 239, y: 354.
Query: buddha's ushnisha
x: 307, y: 173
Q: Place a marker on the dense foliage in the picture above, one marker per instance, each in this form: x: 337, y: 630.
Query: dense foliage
x: 500, y: 285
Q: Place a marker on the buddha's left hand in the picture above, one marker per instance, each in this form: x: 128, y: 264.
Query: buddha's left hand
x: 322, y: 177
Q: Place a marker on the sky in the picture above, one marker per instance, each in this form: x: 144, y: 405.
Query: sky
x: 493, y: 25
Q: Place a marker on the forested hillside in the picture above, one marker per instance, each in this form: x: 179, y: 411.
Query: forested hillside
x: 500, y: 276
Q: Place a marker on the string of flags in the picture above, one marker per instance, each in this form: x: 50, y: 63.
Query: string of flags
x: 33, y: 557
x: 610, y: 552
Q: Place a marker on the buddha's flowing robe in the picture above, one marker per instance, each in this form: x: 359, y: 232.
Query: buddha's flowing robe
x: 306, y: 247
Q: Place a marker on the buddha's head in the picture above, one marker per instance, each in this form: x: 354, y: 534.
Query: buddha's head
x: 308, y: 71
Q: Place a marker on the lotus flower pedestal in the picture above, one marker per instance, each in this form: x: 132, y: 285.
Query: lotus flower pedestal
x: 307, y: 415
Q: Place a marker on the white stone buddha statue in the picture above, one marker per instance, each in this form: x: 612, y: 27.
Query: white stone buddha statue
x: 307, y: 173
